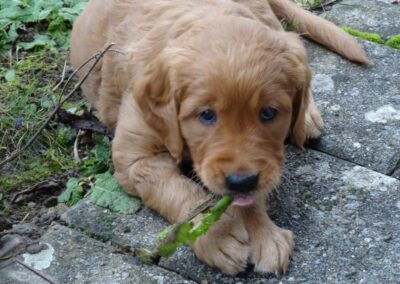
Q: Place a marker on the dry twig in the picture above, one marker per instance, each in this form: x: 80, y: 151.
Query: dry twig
x: 62, y: 77
x: 43, y: 185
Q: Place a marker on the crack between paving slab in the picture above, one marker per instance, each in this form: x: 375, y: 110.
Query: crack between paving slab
x: 176, y: 272
x: 352, y: 162
x: 117, y: 246
x: 82, y: 231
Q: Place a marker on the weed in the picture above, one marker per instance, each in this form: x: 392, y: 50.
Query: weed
x: 51, y: 21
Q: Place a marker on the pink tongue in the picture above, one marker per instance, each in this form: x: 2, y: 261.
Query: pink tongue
x: 243, y: 200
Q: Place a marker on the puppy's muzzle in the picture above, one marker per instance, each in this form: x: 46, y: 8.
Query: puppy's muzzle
x: 241, y: 182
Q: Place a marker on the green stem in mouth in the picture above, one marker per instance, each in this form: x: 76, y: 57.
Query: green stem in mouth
x: 186, y: 232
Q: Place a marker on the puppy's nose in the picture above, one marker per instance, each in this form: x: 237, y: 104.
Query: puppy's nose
x: 241, y: 182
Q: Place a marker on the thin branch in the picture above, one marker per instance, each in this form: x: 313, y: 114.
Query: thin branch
x: 62, y: 99
x: 76, y: 143
x: 36, y: 187
x: 35, y: 271
x: 62, y: 77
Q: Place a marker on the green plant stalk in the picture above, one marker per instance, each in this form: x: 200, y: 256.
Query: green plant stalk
x: 178, y: 234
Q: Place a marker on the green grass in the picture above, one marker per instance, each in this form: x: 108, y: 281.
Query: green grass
x: 27, y: 99
x: 32, y: 36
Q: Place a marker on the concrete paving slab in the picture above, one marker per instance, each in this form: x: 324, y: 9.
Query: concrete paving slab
x: 121, y: 229
x: 72, y: 257
x: 373, y: 16
x: 346, y: 220
x: 16, y: 273
x: 360, y: 106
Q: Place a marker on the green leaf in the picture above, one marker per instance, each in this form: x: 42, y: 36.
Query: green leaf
x: 99, y: 159
x: 106, y: 192
x: 73, y: 193
x: 10, y: 75
x: 39, y: 40
x: 31, y: 109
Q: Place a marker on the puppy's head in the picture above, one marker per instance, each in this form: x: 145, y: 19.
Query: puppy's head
x: 231, y: 96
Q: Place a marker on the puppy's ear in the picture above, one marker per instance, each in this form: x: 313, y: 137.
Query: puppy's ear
x: 300, y: 103
x: 159, y: 103
x: 299, y: 73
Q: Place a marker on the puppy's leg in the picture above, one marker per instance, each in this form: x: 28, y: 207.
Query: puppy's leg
x: 144, y: 168
x: 313, y: 120
x: 271, y: 246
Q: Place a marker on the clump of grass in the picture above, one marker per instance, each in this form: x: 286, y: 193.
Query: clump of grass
x: 36, y: 168
x: 27, y: 98
x: 367, y: 36
x: 25, y: 102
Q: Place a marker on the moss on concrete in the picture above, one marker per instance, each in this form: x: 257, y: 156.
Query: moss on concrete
x: 367, y: 36
x: 394, y: 41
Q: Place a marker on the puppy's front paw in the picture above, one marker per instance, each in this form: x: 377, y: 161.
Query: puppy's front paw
x: 313, y: 120
x: 225, y: 245
x: 271, y: 247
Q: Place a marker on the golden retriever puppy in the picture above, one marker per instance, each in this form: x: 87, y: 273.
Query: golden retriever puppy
x: 215, y: 81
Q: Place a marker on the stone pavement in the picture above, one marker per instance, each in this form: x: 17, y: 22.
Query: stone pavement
x: 340, y: 197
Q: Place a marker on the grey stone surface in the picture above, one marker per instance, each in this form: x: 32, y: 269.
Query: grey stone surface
x: 16, y: 273
x: 346, y: 220
x: 72, y: 257
x: 374, y: 16
x: 396, y: 174
x: 121, y: 229
x: 360, y: 106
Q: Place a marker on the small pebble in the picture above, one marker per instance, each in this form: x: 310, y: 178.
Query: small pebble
x: 387, y: 238
x: 8, y: 243
x: 351, y: 272
x: 126, y: 229
x: 31, y: 204
x: 36, y: 248
x: 50, y: 202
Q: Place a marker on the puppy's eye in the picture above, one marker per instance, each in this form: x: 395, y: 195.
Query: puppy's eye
x: 208, y: 117
x: 267, y: 114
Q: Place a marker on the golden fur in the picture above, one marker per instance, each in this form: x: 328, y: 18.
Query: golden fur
x: 181, y: 57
